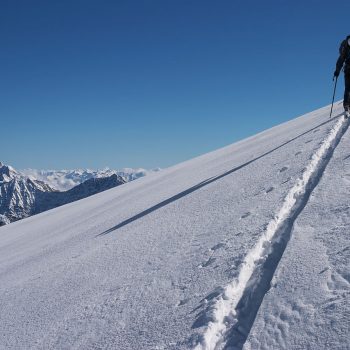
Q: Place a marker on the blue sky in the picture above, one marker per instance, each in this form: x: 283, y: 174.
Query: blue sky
x: 151, y: 83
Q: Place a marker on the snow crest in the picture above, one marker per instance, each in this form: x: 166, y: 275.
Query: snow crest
x: 225, y: 309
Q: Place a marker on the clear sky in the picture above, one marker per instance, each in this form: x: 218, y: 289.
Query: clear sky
x: 147, y: 83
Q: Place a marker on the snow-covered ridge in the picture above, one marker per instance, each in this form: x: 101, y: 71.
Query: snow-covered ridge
x: 18, y: 194
x: 64, y: 180
x: 23, y: 195
x: 260, y: 263
x: 7, y: 173
x: 174, y: 241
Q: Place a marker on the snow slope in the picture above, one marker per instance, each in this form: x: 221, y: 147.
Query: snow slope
x: 184, y: 258
x: 293, y: 316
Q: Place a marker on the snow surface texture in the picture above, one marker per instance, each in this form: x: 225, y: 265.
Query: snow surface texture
x: 318, y: 256
x: 263, y: 255
x: 244, y: 247
x: 63, y: 180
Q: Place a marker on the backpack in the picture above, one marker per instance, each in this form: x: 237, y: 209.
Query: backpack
x: 344, y: 50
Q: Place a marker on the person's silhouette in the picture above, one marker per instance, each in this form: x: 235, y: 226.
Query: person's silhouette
x: 344, y: 61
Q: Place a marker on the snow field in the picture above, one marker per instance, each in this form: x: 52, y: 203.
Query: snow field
x: 141, y: 266
x: 308, y: 305
x: 225, y: 309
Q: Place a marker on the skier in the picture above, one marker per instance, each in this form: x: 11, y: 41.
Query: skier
x: 344, y: 60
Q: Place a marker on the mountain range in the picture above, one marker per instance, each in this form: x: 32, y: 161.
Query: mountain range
x: 30, y: 192
x: 64, y: 180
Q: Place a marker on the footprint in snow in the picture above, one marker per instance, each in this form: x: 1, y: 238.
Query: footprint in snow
x: 285, y: 181
x: 245, y: 215
x: 183, y: 302
x: 218, y: 246
x: 296, y: 154
x: 283, y: 169
x: 308, y: 141
x: 324, y: 270
x: 345, y: 275
x: 337, y: 281
x: 316, y: 130
x: 208, y: 262
x: 270, y: 189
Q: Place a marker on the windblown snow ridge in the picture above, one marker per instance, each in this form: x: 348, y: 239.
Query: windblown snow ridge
x: 235, y: 309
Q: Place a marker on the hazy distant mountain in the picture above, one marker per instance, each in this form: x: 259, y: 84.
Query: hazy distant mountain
x: 64, y: 180
x: 89, y: 187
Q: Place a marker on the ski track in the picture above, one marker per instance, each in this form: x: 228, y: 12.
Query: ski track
x: 235, y: 309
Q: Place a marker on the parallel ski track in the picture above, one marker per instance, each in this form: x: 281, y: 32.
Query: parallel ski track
x: 234, y: 311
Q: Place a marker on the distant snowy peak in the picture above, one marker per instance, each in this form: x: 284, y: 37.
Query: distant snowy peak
x: 64, y: 180
x: 18, y: 194
x: 131, y: 174
x: 7, y: 173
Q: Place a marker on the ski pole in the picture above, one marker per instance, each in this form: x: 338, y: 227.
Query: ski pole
x: 335, y: 86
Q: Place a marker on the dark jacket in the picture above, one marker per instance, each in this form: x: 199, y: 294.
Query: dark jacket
x: 344, y: 57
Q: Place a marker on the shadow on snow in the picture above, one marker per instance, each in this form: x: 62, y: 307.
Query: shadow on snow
x: 206, y: 182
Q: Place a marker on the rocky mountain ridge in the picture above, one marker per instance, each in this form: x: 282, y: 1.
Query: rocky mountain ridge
x: 22, y: 196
